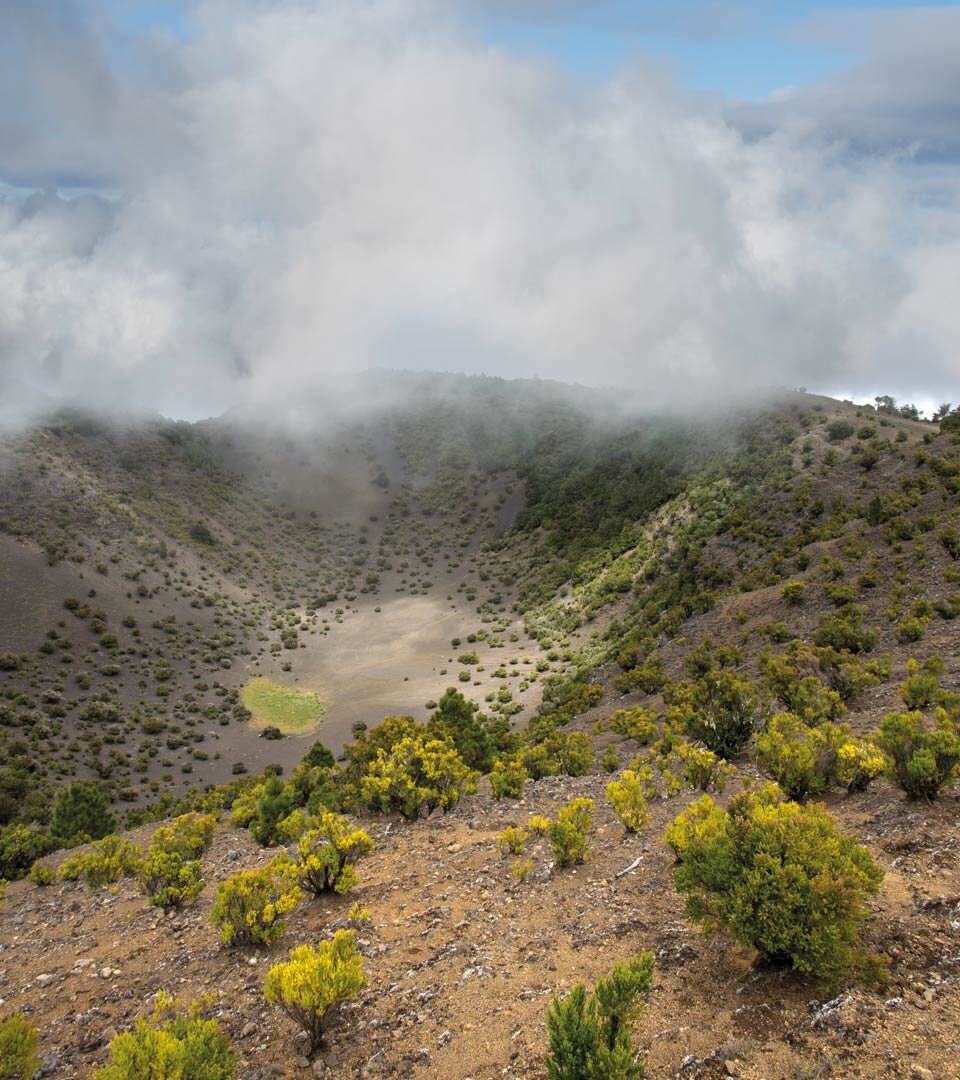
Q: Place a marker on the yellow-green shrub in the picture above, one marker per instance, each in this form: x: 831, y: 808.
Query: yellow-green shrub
x: 188, y: 835
x: 568, y: 834
x: 326, y: 854
x: 183, y: 1047
x: 168, y: 879
x: 507, y: 779
x: 859, y: 762
x: 105, y: 862
x: 922, y: 759
x: 637, y: 723
x: 417, y: 774
x: 314, y: 980
x: 779, y: 876
x: 628, y: 796
x: 250, y: 904
x: 18, y: 1049
x: 512, y: 840
x: 803, y: 760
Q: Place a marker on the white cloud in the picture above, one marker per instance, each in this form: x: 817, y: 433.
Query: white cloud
x: 320, y: 185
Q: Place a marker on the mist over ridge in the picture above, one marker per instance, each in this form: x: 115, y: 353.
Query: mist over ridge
x: 297, y: 190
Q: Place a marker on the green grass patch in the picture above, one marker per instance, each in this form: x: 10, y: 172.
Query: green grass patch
x: 292, y: 711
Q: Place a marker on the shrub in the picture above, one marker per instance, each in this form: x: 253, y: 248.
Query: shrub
x: 794, y: 593
x: 20, y: 846
x: 327, y: 853
x: 314, y: 980
x: 722, y: 710
x: 103, y: 863
x: 591, y: 1036
x: 859, y: 762
x: 460, y: 721
x: 700, y: 768
x: 417, y: 774
x: 81, y: 811
x: 512, y: 840
x: 921, y: 688
x: 922, y: 761
x: 250, y: 904
x: 275, y: 804
x: 507, y: 780
x: 18, y: 1049
x: 911, y: 629
x: 184, y: 1047
x: 540, y: 824
x: 950, y: 541
x: 169, y: 880
x: 42, y: 875
x: 838, y: 430
x: 780, y: 876
x: 844, y: 631
x: 628, y: 798
x: 802, y: 759
x: 568, y: 834
x: 561, y: 753
x: 637, y: 723
x: 188, y: 835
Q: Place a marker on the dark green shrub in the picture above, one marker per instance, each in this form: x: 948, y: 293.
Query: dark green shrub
x: 844, y: 631
x: 722, y: 710
x: 275, y: 803
x: 838, y: 430
x: 922, y: 760
x: 591, y: 1036
x: 81, y: 811
x: 779, y: 876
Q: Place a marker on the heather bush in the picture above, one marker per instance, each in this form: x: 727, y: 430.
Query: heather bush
x: 103, y: 863
x: 250, y: 904
x: 802, y: 759
x: 313, y: 981
x: 721, y: 709
x: 20, y: 846
x: 418, y: 774
x: 779, y: 876
x: 168, y: 879
x: 568, y: 834
x: 923, y: 759
x: 178, y: 1045
x: 628, y: 797
x: 637, y: 723
x: 327, y: 854
x: 591, y: 1035
x: 507, y: 779
x: 188, y: 835
x: 18, y: 1049
x: 512, y: 840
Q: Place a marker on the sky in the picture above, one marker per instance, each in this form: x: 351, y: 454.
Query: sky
x: 212, y: 202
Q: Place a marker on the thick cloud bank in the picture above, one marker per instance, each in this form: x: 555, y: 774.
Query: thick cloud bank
x: 286, y: 189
